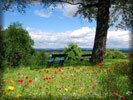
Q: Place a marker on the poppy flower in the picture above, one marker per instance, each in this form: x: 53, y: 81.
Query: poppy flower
x: 19, y: 73
x: 47, y: 71
x: 60, y: 70
x: 30, y: 81
x: 114, y: 93
x: 123, y: 97
x: 74, y: 80
x: 49, y: 94
x: 26, y: 77
x: 70, y: 91
x: 49, y: 78
x: 67, y: 68
x: 40, y: 71
x: 40, y: 87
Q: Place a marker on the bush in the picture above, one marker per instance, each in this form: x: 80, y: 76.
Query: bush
x: 73, y: 51
x: 114, y: 54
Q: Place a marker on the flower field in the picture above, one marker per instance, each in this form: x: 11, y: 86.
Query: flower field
x: 98, y: 82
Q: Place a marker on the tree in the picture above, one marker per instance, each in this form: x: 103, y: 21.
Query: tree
x: 73, y: 51
x: 18, y: 44
x: 98, y: 10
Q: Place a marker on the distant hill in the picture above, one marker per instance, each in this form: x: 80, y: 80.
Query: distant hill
x: 125, y: 50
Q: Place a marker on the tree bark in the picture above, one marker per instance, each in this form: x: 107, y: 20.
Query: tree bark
x: 99, y: 47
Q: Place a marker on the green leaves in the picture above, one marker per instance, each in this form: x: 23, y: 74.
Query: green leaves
x: 18, y: 44
x: 73, y: 51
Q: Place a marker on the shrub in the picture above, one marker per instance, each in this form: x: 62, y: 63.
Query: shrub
x: 114, y: 54
x: 73, y: 51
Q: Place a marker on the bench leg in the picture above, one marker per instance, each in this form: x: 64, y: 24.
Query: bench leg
x: 61, y: 63
x: 50, y: 64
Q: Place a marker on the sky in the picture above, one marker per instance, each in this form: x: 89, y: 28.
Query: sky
x: 56, y: 28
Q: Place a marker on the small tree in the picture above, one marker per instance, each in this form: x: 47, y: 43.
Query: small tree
x: 73, y: 51
x: 18, y: 44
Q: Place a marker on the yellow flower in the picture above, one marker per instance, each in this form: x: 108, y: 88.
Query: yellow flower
x: 79, y: 90
x: 17, y: 96
x: 11, y: 81
x: 4, y: 81
x: 5, y: 92
x: 104, y: 70
x: 11, y: 88
x: 100, y: 97
x: 45, y: 85
x: 66, y: 89
x: 77, y: 71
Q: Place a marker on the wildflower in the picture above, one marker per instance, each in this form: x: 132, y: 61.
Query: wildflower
x: 30, y: 81
x: 4, y: 81
x: 4, y: 92
x: 66, y: 89
x: 99, y: 81
x: 123, y: 97
x: 40, y: 71
x: 60, y: 70
x: 26, y: 77
x: 79, y: 90
x: 11, y: 88
x: 104, y: 70
x: 19, y: 73
x: 17, y: 96
x: 70, y: 91
x: 40, y: 87
x: 49, y: 94
x: 109, y: 69
x: 67, y: 68
x: 11, y: 81
x: 114, y: 93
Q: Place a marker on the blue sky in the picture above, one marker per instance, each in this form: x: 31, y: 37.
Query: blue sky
x: 57, y: 28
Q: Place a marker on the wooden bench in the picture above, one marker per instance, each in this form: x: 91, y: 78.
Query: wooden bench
x: 85, y: 56
x: 61, y: 58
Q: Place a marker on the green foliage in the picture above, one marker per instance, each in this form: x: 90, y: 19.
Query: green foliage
x: 73, y: 51
x: 114, y: 54
x: 38, y: 58
x: 18, y: 44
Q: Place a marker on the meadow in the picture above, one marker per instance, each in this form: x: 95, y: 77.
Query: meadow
x: 110, y: 80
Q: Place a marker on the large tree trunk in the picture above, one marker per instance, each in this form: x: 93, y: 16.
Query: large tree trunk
x: 99, y: 48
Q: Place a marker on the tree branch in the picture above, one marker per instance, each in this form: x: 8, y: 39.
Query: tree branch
x: 80, y: 3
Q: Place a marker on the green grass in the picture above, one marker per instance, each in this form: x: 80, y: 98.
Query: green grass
x: 74, y: 81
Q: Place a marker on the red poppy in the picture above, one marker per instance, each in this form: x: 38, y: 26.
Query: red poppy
x: 47, y: 71
x: 26, y: 77
x: 56, y: 72
x: 114, y: 93
x: 123, y: 97
x: 122, y: 71
x: 49, y: 78
x: 40, y: 71
x: 49, y: 94
x: 70, y: 91
x: 44, y: 69
x: 67, y: 68
x: 74, y: 80
x: 74, y: 84
x: 93, y: 87
x: 40, y: 87
x: 30, y: 81
x: 19, y: 73
x: 60, y: 70
x: 44, y: 79
x: 74, y: 75
x: 21, y: 81
x: 61, y: 77
x: 78, y: 67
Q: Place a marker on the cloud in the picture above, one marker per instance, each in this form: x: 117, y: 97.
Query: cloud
x: 42, y: 14
x: 83, y: 37
x: 67, y: 9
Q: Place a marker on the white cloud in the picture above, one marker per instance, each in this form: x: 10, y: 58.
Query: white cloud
x: 84, y: 37
x: 67, y: 9
x: 42, y: 13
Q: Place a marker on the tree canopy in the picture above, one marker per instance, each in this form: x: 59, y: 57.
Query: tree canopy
x: 18, y: 44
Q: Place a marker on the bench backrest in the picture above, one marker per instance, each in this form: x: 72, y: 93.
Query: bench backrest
x: 59, y: 55
x: 84, y: 55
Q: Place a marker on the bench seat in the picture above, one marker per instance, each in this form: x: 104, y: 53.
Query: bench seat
x: 85, y: 58
x: 52, y: 60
